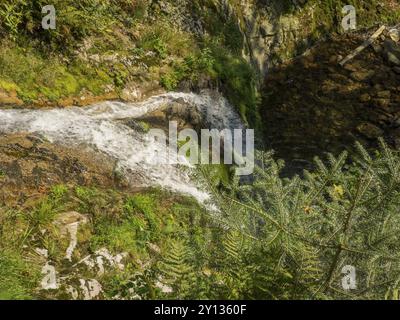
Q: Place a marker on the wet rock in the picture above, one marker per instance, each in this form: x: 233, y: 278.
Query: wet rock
x: 156, y: 119
x: 351, y: 67
x: 195, y: 118
x: 339, y: 78
x: 32, y: 164
x: 186, y: 115
x: 134, y: 92
x: 380, y: 116
x: 13, y: 172
x: 178, y: 110
x: 139, y: 126
x: 367, y: 99
x: 10, y: 98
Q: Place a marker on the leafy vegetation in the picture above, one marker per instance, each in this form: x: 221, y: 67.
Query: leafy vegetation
x: 284, y: 238
x: 342, y: 214
x: 272, y: 239
x: 101, y: 45
x: 18, y: 276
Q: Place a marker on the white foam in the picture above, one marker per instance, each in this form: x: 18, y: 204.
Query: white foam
x: 96, y: 126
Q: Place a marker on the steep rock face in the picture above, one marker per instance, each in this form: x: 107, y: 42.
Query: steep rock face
x: 271, y: 34
x: 270, y: 30
x: 274, y: 31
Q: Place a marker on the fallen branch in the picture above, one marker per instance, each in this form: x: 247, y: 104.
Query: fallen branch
x: 367, y: 43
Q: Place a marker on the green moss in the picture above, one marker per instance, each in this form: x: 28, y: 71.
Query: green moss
x: 239, y: 84
x: 130, y: 235
x: 170, y: 80
x: 93, y: 79
x: 145, y: 126
x: 67, y: 84
x: 8, y: 86
x: 327, y: 15
x: 35, y: 77
x: 58, y: 192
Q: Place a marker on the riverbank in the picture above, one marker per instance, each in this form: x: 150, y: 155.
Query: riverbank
x: 72, y: 228
x: 85, y: 215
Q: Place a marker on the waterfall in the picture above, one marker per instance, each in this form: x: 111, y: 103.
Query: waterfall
x: 97, y: 127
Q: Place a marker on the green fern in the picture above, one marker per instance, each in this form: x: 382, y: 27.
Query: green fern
x: 343, y: 213
x: 176, y: 269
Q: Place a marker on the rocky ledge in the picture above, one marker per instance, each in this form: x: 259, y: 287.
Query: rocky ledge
x: 30, y: 165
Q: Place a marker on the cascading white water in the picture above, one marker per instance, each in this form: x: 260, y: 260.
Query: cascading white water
x: 97, y: 127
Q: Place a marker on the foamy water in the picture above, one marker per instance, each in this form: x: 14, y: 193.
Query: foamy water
x: 97, y: 127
